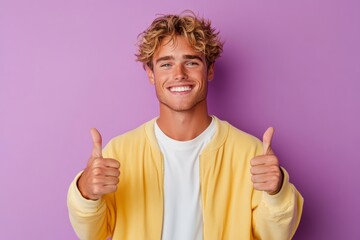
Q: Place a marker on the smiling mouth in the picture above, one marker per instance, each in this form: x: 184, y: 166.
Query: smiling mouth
x: 180, y: 89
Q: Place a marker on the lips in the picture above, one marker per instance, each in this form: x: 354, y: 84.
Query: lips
x: 180, y: 88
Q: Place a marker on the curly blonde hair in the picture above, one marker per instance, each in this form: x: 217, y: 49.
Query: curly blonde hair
x: 197, y: 30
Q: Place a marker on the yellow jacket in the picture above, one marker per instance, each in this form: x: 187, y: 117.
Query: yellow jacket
x: 231, y: 208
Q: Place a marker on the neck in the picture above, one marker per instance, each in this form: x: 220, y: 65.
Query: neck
x: 183, y: 125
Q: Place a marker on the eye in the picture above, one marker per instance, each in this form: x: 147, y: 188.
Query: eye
x: 192, y: 63
x: 165, y: 65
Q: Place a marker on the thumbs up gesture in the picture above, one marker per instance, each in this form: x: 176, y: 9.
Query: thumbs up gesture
x: 101, y: 175
x: 265, y: 169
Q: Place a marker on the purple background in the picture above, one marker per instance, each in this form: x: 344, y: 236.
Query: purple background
x: 67, y: 66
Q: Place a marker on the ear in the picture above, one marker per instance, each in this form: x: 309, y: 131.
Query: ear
x: 210, y: 73
x: 150, y: 74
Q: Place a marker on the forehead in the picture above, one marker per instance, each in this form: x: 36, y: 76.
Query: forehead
x: 180, y: 45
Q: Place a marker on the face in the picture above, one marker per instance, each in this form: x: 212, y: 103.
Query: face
x: 180, y: 75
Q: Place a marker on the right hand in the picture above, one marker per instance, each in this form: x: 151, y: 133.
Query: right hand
x: 101, y: 175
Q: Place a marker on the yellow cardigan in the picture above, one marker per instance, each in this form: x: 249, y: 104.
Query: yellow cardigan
x: 231, y: 208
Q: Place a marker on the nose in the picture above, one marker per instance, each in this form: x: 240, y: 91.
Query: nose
x: 180, y: 73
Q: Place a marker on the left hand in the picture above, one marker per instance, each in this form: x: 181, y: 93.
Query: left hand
x: 265, y: 169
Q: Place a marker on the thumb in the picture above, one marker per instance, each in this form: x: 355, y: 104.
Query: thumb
x: 267, y: 138
x: 97, y: 142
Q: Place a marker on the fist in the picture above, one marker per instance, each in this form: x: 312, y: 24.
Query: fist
x: 101, y: 175
x: 265, y: 169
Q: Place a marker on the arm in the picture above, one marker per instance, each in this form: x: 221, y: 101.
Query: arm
x: 277, y: 205
x: 278, y: 216
x: 91, y: 195
x: 90, y: 219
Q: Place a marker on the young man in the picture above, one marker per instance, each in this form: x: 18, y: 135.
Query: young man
x: 185, y: 174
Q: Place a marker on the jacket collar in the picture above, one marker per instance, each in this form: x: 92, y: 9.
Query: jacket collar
x: 222, y: 130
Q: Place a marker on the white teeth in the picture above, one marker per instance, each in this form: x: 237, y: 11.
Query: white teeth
x: 180, y: 89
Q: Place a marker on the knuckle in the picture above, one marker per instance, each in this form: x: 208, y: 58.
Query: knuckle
x: 253, y: 161
x: 275, y: 169
x: 97, y: 161
x: 272, y: 159
x: 253, y: 179
x: 93, y: 181
x: 112, y: 188
x: 114, y: 180
x: 97, y: 171
x: 97, y: 190
x: 274, y: 178
x: 117, y: 164
x: 258, y: 186
x: 273, y: 186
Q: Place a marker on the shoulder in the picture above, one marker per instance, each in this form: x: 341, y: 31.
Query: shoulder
x: 137, y: 134
x: 237, y: 134
x: 233, y: 136
x: 234, y: 133
x: 133, y: 138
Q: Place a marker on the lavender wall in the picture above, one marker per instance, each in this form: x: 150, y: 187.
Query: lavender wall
x: 67, y: 66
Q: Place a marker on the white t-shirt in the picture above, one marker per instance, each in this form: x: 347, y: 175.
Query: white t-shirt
x: 182, y: 198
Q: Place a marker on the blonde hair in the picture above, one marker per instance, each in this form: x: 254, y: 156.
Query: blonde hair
x: 201, y: 36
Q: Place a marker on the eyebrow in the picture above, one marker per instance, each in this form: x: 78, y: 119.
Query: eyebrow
x: 165, y: 58
x: 186, y: 56
x: 193, y: 57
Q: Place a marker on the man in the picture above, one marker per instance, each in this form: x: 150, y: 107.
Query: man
x: 185, y: 174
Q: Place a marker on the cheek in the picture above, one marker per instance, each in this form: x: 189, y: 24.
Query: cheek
x: 160, y: 78
x: 157, y: 83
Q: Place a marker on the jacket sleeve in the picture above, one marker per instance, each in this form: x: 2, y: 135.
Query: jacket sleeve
x: 277, y: 216
x: 90, y: 219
